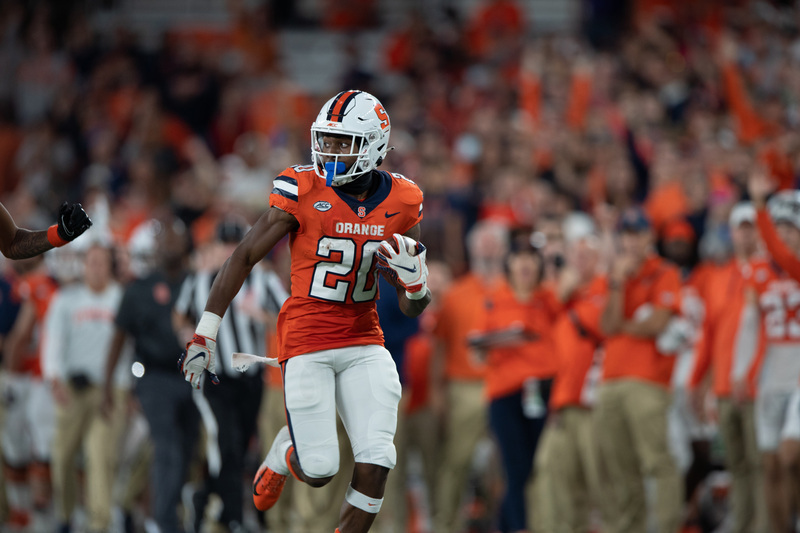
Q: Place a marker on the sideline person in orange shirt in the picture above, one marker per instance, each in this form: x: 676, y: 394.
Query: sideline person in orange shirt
x: 457, y: 376
x: 724, y: 330
x: 567, y: 462
x: 643, y: 296
x: 514, y: 334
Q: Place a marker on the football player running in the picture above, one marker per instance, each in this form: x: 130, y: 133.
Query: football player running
x: 338, y: 212
x: 19, y: 243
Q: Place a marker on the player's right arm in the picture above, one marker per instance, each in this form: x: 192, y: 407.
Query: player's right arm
x: 273, y: 226
x: 760, y: 186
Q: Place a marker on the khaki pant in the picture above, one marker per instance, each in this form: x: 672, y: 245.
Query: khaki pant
x: 302, y: 508
x: 394, y: 511
x: 465, y: 424
x: 743, y: 461
x: 567, y: 470
x: 80, y: 422
x: 631, y: 425
x: 421, y: 435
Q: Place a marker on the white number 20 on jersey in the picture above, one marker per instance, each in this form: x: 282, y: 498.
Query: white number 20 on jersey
x: 336, y: 291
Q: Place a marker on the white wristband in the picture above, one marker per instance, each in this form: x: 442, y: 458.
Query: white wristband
x: 208, y: 325
x: 419, y: 295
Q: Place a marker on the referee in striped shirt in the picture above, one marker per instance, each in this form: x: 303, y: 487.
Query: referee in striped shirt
x: 230, y: 410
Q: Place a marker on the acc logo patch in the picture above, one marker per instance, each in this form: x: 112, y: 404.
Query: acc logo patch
x: 322, y: 206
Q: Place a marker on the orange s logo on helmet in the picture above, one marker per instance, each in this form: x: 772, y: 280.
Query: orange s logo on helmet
x: 382, y: 115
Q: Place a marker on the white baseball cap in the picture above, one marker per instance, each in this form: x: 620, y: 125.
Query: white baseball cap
x: 741, y: 213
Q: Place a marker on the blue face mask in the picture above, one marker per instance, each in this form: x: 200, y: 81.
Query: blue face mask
x: 331, y: 170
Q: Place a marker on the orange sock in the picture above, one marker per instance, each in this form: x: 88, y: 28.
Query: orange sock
x: 289, y: 464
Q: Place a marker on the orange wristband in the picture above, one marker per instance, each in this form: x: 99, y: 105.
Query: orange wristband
x: 53, y: 238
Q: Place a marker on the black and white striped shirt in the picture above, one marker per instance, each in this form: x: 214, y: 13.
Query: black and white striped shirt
x: 240, y: 330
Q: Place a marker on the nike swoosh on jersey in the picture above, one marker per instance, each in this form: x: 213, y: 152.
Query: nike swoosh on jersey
x: 390, y: 215
x: 412, y: 270
x: 64, y: 225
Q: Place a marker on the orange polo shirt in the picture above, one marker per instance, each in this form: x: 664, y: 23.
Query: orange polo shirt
x: 460, y: 312
x: 576, y: 336
x: 627, y: 357
x: 509, y: 366
x: 724, y: 301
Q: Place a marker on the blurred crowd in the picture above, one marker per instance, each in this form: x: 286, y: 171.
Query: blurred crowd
x: 571, y: 181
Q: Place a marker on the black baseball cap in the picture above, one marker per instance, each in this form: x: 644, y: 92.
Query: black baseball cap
x: 230, y: 231
x: 634, y: 220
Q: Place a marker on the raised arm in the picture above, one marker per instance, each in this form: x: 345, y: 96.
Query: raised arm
x: 19, y: 243
x: 760, y: 186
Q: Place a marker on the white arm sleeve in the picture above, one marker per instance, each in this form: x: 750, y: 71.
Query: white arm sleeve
x: 54, y: 342
x: 746, y: 342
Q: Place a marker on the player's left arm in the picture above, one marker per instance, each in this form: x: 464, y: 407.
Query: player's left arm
x: 20, y: 243
x: 652, y: 326
x: 413, y: 307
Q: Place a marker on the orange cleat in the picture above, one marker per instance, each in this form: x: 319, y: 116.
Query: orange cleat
x: 268, y: 483
x: 267, y: 488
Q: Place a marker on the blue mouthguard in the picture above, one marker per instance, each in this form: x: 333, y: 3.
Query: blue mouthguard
x: 332, y: 169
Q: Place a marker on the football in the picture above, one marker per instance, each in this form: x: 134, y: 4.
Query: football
x: 410, y: 244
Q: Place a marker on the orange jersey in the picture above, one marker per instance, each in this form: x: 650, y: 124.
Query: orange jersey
x: 779, y: 302
x: 419, y: 350
x: 576, y: 336
x: 724, y: 302
x: 332, y: 301
x: 460, y: 312
x: 38, y: 289
x: 777, y: 362
x: 657, y: 285
x: 509, y: 366
x: 779, y: 252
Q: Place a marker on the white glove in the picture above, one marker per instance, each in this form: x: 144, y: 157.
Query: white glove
x: 675, y: 337
x: 410, y: 271
x: 199, y: 356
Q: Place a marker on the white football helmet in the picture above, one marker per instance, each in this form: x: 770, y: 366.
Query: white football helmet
x: 360, y: 116
x: 785, y: 207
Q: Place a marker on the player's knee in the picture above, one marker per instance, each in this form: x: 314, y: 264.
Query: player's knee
x: 318, y: 482
x: 320, y: 467
x: 380, y: 453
